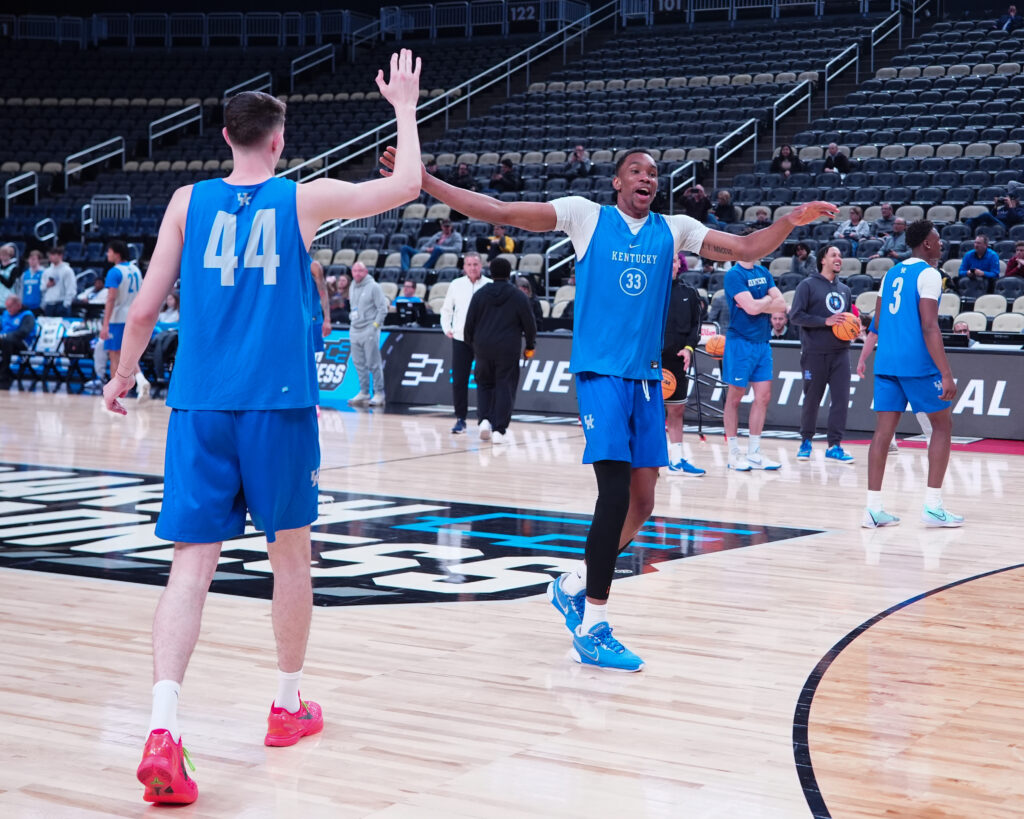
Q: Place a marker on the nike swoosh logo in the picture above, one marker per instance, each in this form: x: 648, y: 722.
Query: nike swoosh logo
x: 585, y: 653
x: 636, y: 245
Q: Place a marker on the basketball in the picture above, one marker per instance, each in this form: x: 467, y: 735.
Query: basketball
x: 848, y: 329
x: 715, y: 346
x: 668, y: 383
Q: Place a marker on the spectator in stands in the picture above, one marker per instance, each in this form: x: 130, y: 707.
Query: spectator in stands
x: 981, y: 263
x: 408, y: 305
x: 369, y: 309
x: 894, y: 246
x: 408, y: 294
x: 17, y: 326
x: 1015, y: 267
x: 506, y: 178
x: 95, y: 293
x: 696, y: 203
x: 337, y: 297
x: 719, y: 311
x: 1010, y: 21
x: 853, y: 229
x: 1005, y: 211
x: 59, y: 286
x: 171, y: 314
x: 32, y: 283
x: 432, y: 168
x: 782, y: 329
x: 762, y: 219
x: 804, y: 262
x: 8, y: 271
x: 579, y: 162
x: 724, y: 212
x: 836, y: 161
x: 446, y: 240
x: 786, y: 162
x: 961, y: 328
x: 523, y: 284
x: 882, y: 226
x: 463, y: 178
x: 499, y: 243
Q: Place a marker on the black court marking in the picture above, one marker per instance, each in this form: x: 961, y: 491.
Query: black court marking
x: 366, y: 548
x: 801, y: 719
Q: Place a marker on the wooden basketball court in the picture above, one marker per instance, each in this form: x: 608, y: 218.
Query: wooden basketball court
x: 797, y: 665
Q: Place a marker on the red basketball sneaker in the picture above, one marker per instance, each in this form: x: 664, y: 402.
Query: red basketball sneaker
x: 284, y: 728
x: 162, y: 771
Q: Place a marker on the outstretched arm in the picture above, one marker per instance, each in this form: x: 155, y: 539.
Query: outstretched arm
x: 324, y: 199
x: 726, y: 247
x: 534, y: 216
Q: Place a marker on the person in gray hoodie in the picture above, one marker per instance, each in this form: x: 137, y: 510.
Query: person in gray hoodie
x: 369, y: 308
x: 819, y: 303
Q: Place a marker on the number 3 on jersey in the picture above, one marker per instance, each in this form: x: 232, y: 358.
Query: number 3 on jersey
x: 220, y: 249
x: 897, y: 289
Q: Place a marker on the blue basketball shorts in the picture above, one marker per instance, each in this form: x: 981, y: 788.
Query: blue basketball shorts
x: 923, y: 393
x: 622, y: 420
x: 219, y: 464
x: 113, y: 344
x: 746, y: 362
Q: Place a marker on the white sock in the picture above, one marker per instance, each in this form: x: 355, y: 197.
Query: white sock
x: 140, y: 379
x: 753, y: 444
x: 288, y: 690
x: 594, y: 614
x: 165, y: 708
x: 874, y: 501
x: 933, y: 497
x: 575, y: 581
x: 675, y: 452
x: 734, y: 445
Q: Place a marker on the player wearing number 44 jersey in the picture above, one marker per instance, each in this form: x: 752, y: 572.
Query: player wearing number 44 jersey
x: 911, y: 367
x: 242, y: 436
x: 623, y: 280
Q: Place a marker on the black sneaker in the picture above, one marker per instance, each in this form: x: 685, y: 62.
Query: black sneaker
x: 460, y: 427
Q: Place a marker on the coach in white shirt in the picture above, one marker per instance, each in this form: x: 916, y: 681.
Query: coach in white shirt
x: 453, y: 321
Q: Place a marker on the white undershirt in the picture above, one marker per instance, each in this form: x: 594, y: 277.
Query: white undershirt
x: 578, y: 217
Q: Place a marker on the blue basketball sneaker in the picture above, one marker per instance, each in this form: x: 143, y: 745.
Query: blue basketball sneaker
x: 598, y: 647
x: 836, y: 453
x: 875, y: 520
x: 941, y: 517
x: 684, y: 467
x: 804, y: 453
x: 570, y: 605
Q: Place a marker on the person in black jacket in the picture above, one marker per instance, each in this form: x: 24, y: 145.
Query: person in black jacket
x: 498, y: 317
x: 523, y: 283
x: 818, y: 304
x: 682, y: 332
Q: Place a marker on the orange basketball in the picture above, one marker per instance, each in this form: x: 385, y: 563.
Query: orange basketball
x: 848, y: 329
x: 668, y: 383
x: 715, y: 346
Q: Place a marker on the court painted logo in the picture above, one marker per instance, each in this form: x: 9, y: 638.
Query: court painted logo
x: 367, y: 549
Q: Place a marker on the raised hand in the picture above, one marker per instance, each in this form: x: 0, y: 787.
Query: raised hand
x: 807, y: 213
x: 387, y: 161
x: 403, y: 88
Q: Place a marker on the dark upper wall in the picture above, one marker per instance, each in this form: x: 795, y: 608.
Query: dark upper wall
x: 75, y: 9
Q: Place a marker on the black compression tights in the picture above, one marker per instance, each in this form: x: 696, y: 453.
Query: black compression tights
x: 613, y: 479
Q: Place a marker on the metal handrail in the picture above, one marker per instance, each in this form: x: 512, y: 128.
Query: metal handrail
x: 808, y: 93
x: 261, y: 82
x: 362, y: 35
x: 100, y: 146
x: 674, y: 187
x: 182, y: 119
x: 877, y: 37
x: 914, y: 7
x: 317, y: 56
x: 718, y: 160
x: 10, y: 194
x: 50, y: 235
x: 371, y: 140
x: 831, y: 74
x: 548, y: 267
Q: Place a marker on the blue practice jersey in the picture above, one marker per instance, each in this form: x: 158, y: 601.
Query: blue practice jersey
x: 32, y: 288
x: 622, y: 290
x: 741, y: 324
x: 244, y: 339
x: 901, y: 347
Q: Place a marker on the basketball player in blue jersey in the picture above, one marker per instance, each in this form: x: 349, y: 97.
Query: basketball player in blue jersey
x: 623, y: 281
x: 242, y: 435
x: 911, y: 367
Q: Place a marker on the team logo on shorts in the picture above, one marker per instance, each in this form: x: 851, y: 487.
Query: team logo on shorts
x: 367, y: 549
x: 332, y: 363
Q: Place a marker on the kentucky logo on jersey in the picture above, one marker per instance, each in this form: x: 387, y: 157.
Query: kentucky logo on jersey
x: 244, y: 198
x: 367, y: 549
